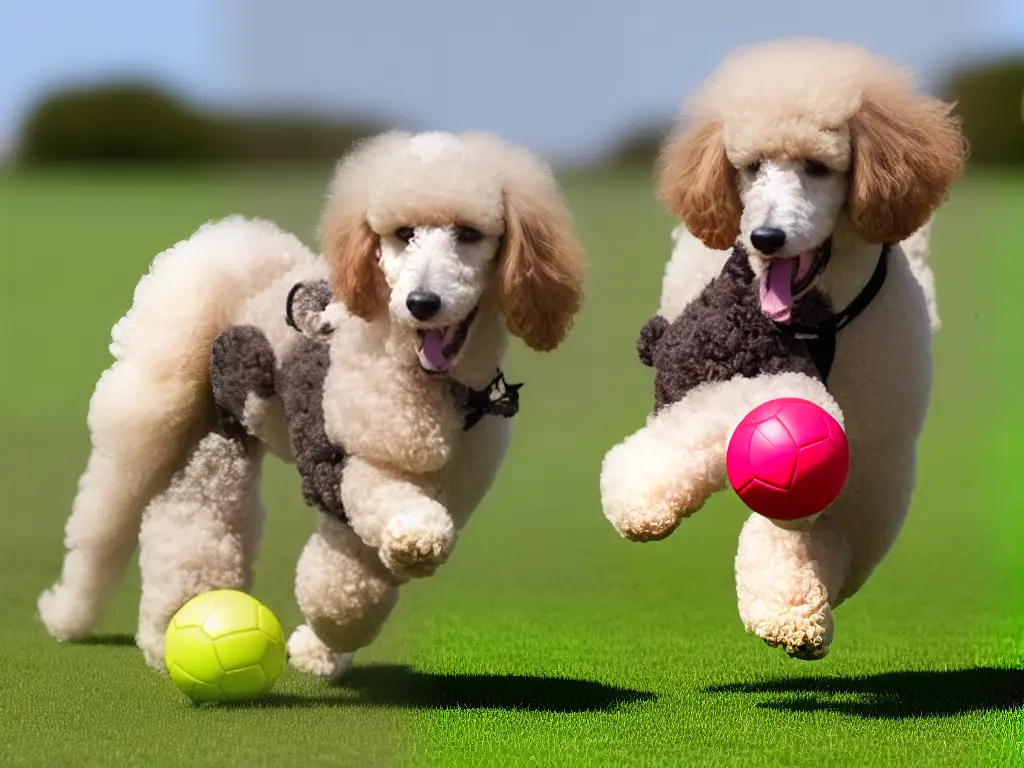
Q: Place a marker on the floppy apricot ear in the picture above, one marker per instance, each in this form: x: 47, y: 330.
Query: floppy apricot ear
x: 540, y: 274
x: 697, y: 183
x: 907, y: 150
x: 351, y: 248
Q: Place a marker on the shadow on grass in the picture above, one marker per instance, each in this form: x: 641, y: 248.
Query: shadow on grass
x: 402, y: 686
x: 108, y: 640
x: 894, y: 695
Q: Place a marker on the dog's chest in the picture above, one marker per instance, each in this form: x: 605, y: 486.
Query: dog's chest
x: 723, y: 334
x: 883, y: 366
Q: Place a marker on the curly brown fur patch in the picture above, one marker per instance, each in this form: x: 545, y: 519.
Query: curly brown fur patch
x: 305, y: 302
x: 320, y: 463
x: 541, y: 268
x: 697, y: 183
x: 723, y: 334
x: 241, y: 362
x: 350, y: 247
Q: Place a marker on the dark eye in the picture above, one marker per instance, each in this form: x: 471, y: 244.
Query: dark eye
x: 753, y: 167
x: 468, y: 235
x: 814, y: 168
x: 405, y: 234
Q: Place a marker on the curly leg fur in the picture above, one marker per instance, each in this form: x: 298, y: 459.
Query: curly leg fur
x: 668, y: 469
x: 400, y: 516
x: 132, y: 457
x: 99, y: 544
x: 201, y: 533
x: 787, y: 582
x: 345, y: 593
x: 153, y: 405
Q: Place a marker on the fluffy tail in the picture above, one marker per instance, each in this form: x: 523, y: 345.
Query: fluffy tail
x: 917, y: 247
x: 154, y: 404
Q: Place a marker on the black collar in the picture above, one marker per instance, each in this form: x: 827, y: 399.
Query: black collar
x: 499, y: 398
x: 821, y: 338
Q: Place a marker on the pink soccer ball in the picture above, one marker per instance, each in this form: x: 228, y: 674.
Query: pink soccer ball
x: 788, y: 459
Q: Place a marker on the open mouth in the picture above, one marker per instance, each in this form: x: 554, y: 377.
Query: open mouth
x: 438, y: 347
x: 787, y: 279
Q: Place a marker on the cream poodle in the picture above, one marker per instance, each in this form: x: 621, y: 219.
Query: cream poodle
x: 376, y: 369
x: 818, y: 167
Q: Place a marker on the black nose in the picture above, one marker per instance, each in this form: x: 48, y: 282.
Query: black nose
x: 768, y: 240
x: 423, y: 305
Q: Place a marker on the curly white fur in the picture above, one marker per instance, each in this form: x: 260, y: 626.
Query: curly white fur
x: 667, y: 470
x: 152, y: 406
x: 782, y: 113
x: 413, y: 476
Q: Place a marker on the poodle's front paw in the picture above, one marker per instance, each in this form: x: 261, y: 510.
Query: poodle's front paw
x: 414, y: 544
x: 642, y: 523
x: 646, y: 494
x: 68, y: 614
x: 151, y: 642
x: 307, y: 652
x: 805, y: 637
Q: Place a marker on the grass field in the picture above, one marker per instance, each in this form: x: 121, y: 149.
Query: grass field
x: 546, y: 640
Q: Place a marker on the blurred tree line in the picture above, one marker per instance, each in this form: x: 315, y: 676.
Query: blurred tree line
x: 989, y: 98
x: 135, y: 122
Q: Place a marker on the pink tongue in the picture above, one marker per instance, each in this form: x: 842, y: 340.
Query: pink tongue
x: 432, y: 356
x: 777, y: 291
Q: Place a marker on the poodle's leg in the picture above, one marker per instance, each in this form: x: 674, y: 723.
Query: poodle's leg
x: 398, y: 515
x: 649, y: 483
x: 100, y: 537
x: 202, y: 533
x: 468, y: 477
x: 142, y: 427
x: 787, y: 582
x: 667, y: 470
x: 345, y: 593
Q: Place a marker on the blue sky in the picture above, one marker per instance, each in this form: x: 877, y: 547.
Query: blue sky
x: 563, y: 76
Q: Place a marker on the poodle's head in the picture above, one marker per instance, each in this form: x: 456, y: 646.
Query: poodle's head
x: 786, y: 138
x: 428, y: 228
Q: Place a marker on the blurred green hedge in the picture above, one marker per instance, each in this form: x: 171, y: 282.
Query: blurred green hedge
x: 132, y: 122
x: 641, y: 145
x: 136, y: 122
x: 990, y: 99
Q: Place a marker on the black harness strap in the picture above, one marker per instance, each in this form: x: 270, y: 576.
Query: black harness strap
x: 499, y: 398
x: 821, y: 338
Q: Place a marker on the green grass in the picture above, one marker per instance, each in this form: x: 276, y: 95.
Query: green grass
x: 546, y: 640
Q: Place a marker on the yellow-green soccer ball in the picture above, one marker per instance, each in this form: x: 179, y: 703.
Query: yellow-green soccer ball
x: 224, y: 646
